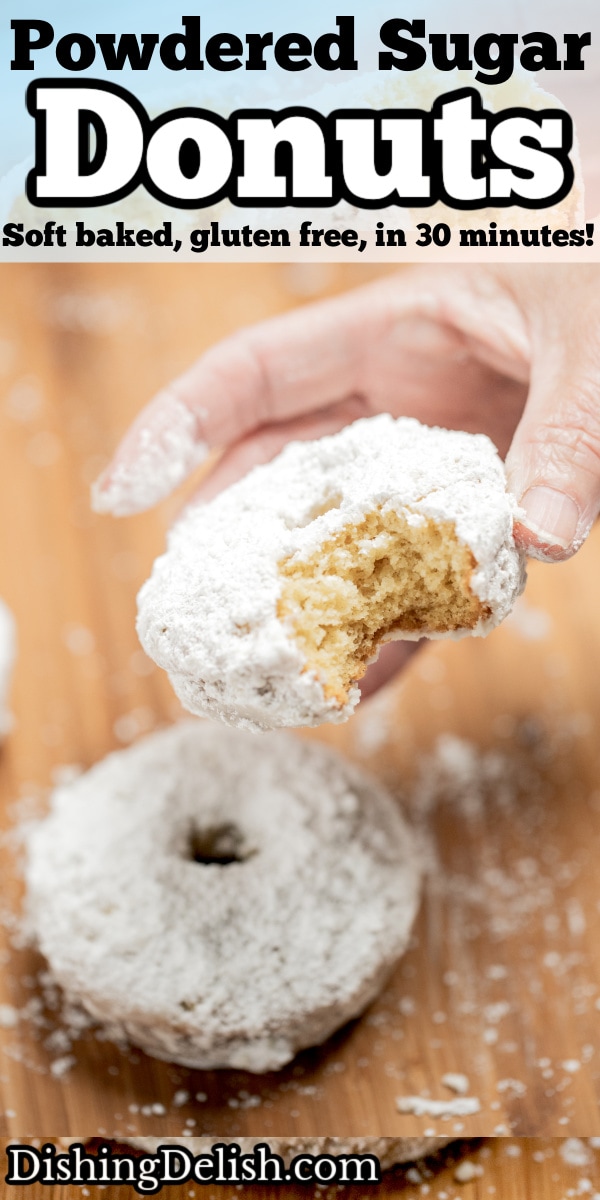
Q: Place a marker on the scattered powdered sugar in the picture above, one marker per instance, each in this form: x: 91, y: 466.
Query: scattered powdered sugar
x: 60, y: 1067
x: 476, y: 783
x: 222, y: 900
x: 131, y: 725
x: 24, y: 400
x: 514, y: 1087
x: 65, y: 773
x: 484, y: 906
x: 162, y: 449
x: 373, y: 723
x: 531, y: 623
x: 9, y: 1016
x: 456, y: 1082
x: 79, y: 640
x: 208, y: 614
x: 422, y: 1106
x: 457, y: 770
x: 467, y: 1171
x: 47, y: 1017
x: 575, y: 1153
x: 85, y: 311
x: 7, y: 658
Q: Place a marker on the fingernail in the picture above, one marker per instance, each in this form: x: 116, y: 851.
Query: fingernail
x: 551, y: 516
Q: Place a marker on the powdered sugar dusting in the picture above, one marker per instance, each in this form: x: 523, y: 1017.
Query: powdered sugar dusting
x: 208, y: 614
x: 457, y: 1082
x: 531, y: 623
x: 575, y: 1153
x: 423, y: 1106
x: 164, y: 452
x: 467, y: 1170
x: 216, y: 965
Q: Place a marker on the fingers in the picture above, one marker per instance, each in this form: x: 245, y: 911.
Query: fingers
x: 161, y: 449
x: 272, y: 372
x: 554, y: 461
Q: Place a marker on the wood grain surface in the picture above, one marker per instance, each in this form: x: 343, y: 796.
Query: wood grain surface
x: 502, y: 980
x: 509, y: 1168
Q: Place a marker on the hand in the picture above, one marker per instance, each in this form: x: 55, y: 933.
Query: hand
x: 511, y: 351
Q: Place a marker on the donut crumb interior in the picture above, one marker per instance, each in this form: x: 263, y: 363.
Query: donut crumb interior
x: 382, y: 577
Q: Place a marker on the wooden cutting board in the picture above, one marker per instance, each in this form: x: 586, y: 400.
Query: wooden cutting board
x: 502, y: 981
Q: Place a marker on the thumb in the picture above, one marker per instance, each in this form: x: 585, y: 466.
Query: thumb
x: 553, y: 465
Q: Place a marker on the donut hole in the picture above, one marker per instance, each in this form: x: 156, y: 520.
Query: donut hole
x: 389, y: 575
x: 218, y: 845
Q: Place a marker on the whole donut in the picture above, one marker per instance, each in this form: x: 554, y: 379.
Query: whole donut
x: 222, y: 900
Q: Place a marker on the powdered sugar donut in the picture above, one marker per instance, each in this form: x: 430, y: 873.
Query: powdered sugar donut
x: 7, y: 658
x: 222, y: 901
x: 271, y: 600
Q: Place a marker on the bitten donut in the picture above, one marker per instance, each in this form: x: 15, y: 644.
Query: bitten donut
x: 7, y: 658
x: 271, y: 600
x: 219, y: 900
x: 388, y: 1150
